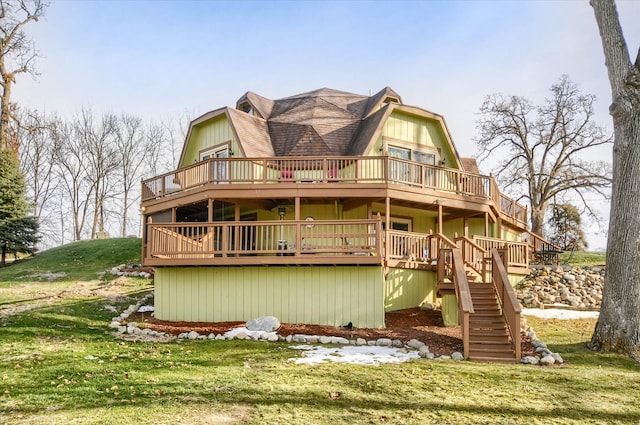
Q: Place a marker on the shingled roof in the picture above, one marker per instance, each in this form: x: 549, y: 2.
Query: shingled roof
x: 323, y: 122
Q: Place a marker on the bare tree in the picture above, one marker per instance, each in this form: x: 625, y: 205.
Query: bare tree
x: 36, y: 157
x: 98, y: 139
x: 542, y: 147
x: 70, y: 156
x: 618, y: 326
x: 137, y: 146
x: 17, y: 56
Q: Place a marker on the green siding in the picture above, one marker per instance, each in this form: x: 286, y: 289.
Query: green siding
x: 315, y: 295
x: 406, y: 288
x: 450, y: 310
x: 417, y: 130
x: 211, y: 133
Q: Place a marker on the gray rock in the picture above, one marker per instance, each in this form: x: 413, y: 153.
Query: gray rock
x: 361, y: 341
x: 193, y: 335
x: 537, y: 343
x: 383, y: 342
x: 183, y: 335
x: 414, y: 343
x: 241, y: 335
x: 456, y: 355
x: 397, y: 343
x: 547, y: 360
x: 423, y: 351
x: 371, y: 343
x: 313, y: 339
x: 325, y: 340
x: 212, y: 336
x: 272, y: 337
x: 300, y: 338
x: 264, y: 323
x: 529, y: 360
x: 558, y: 359
x: 114, y: 325
x: 339, y: 340
x: 431, y: 356
x: 220, y: 337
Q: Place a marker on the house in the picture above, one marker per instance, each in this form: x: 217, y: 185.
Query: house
x: 327, y: 208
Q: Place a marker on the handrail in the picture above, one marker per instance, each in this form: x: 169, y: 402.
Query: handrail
x: 472, y: 253
x: 507, y: 298
x: 451, y: 265
x: 518, y: 252
x: 187, y: 241
x: 348, y: 169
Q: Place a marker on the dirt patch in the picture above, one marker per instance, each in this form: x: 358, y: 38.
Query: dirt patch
x: 413, y: 323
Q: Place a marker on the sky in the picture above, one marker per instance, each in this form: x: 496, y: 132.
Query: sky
x: 161, y: 59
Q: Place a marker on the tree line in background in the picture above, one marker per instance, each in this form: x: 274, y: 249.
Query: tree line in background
x: 83, y: 173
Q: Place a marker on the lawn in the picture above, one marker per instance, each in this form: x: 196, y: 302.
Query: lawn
x: 60, y: 365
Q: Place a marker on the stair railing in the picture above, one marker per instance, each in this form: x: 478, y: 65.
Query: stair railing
x: 506, y: 297
x: 472, y: 253
x: 451, y: 265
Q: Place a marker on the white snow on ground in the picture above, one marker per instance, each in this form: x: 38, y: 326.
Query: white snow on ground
x: 558, y: 313
x: 363, y: 355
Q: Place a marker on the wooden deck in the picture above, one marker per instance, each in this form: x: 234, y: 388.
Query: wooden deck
x: 347, y: 177
x: 323, y: 242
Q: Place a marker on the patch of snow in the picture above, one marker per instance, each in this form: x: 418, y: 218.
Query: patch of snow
x: 558, y: 313
x: 363, y: 355
x: 146, y: 309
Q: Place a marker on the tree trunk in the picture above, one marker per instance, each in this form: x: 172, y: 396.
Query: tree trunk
x: 537, y: 219
x: 618, y: 327
x: 5, y: 114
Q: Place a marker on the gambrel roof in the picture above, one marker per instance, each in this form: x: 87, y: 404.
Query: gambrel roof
x: 323, y: 122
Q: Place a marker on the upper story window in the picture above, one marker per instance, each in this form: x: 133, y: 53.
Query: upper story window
x: 247, y: 107
x: 423, y: 155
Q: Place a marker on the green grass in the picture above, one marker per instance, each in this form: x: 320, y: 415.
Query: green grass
x: 581, y: 258
x: 79, y: 260
x: 60, y: 365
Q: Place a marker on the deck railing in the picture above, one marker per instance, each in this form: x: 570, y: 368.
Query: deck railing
x: 472, y: 254
x: 374, y: 169
x: 451, y: 266
x: 507, y: 298
x: 251, y: 242
x: 517, y: 252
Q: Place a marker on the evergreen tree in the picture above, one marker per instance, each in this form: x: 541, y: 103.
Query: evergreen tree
x: 566, y: 228
x: 17, y: 230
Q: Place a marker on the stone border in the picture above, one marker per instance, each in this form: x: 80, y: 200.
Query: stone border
x: 131, y: 331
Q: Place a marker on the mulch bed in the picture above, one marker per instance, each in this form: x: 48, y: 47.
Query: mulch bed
x: 412, y: 323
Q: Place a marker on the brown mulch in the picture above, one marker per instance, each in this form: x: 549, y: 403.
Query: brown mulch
x: 412, y: 323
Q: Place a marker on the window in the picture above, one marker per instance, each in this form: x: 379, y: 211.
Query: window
x: 219, y: 168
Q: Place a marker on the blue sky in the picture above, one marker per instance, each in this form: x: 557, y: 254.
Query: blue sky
x: 155, y: 59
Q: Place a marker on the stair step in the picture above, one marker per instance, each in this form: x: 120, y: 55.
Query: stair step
x: 491, y: 345
x: 504, y: 353
x: 489, y: 359
x: 488, y: 338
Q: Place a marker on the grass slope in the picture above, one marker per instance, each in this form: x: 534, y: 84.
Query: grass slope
x: 79, y: 260
x: 59, y: 364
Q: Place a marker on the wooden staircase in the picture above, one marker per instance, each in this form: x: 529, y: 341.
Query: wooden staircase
x: 488, y: 335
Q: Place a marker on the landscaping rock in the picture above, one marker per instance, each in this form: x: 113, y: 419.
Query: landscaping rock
x: 361, y: 341
x: 573, y: 286
x: 456, y: 355
x: 547, y: 360
x: 558, y: 359
x: 414, y: 343
x: 193, y: 335
x: 383, y: 342
x: 264, y: 323
x: 530, y: 360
